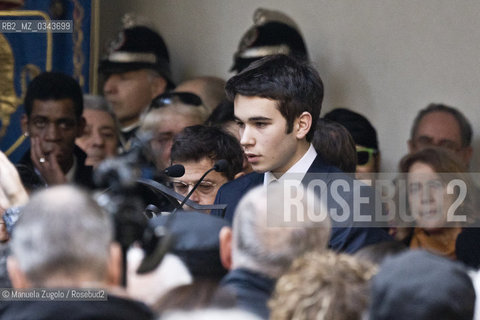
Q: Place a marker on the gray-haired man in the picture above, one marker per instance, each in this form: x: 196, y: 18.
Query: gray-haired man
x: 64, y: 240
x: 260, y: 246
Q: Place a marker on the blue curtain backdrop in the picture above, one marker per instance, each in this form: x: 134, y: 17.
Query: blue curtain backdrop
x: 29, y: 56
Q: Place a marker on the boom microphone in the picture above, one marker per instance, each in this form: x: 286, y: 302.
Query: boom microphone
x: 162, y: 248
x: 175, y: 171
x: 221, y: 165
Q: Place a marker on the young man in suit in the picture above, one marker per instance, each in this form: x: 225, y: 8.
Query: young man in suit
x: 277, y: 102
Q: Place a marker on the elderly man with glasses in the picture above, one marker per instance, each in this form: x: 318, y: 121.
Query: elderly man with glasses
x: 442, y: 126
x: 169, y: 114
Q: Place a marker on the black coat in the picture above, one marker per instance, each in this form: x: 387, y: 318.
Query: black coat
x: 251, y: 290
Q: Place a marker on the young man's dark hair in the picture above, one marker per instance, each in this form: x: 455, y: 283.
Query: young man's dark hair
x: 54, y: 86
x: 197, y: 142
x: 295, y: 85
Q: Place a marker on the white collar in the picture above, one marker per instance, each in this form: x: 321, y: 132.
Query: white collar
x: 130, y: 127
x: 300, y: 168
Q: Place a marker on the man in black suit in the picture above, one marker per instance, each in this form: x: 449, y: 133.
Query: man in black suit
x: 277, y: 102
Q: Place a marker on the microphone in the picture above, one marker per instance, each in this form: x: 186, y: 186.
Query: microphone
x: 219, y: 166
x: 167, y: 239
x: 175, y: 171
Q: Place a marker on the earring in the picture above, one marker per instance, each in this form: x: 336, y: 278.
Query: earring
x: 26, y: 134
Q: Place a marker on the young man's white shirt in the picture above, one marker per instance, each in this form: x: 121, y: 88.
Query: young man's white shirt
x: 300, y: 168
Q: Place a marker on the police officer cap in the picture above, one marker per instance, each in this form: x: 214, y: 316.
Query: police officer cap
x: 273, y: 32
x: 135, y: 48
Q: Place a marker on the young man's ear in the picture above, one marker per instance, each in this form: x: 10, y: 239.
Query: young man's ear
x: 115, y: 267
x: 226, y: 247
x: 302, y: 125
x: 17, y: 277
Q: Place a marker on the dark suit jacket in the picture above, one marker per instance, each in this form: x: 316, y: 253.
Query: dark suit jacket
x: 251, y: 291
x: 31, y: 180
x: 346, y: 236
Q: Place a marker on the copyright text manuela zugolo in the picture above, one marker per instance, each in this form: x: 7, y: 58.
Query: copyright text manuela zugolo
x: 44, y: 294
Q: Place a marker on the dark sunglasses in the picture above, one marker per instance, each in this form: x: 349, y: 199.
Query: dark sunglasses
x: 365, y: 155
x: 169, y: 98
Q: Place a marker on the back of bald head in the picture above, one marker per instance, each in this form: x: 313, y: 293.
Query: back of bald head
x: 265, y: 241
x: 62, y: 231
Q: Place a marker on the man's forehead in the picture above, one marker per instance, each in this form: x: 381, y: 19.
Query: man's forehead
x: 134, y: 72
x: 194, y: 169
x: 202, y: 162
x: 439, y: 125
x: 54, y: 109
x: 246, y: 108
x: 99, y: 118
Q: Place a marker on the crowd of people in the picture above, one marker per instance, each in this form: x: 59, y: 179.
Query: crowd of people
x: 275, y: 212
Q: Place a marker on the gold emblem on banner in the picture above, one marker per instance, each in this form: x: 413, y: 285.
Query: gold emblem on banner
x: 9, y: 101
x: 8, y: 98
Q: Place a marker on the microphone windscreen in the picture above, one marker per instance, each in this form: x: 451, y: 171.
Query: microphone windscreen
x: 175, y: 171
x: 221, y: 165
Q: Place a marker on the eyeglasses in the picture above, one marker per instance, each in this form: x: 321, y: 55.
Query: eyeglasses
x: 169, y: 98
x: 205, y: 187
x: 365, y: 155
x: 425, y: 141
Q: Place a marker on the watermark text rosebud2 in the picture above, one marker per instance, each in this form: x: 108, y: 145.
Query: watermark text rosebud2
x: 389, y: 200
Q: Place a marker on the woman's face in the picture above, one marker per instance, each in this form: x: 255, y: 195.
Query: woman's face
x: 427, y: 196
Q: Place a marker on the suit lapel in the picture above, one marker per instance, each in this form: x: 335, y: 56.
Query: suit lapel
x: 319, y: 166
